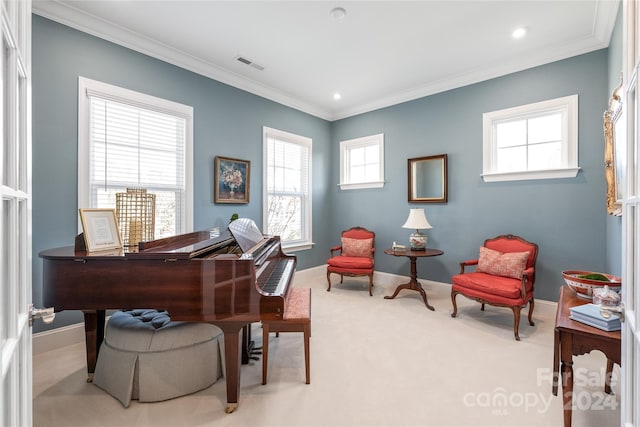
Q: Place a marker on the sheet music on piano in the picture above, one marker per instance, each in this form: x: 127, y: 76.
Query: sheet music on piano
x: 271, y: 274
x: 246, y: 233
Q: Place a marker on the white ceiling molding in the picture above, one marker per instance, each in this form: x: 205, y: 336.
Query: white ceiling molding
x: 481, y: 74
x: 81, y: 21
x: 604, y: 17
x: 605, y: 20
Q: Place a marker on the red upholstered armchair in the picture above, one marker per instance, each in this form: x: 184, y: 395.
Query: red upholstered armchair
x: 355, y: 255
x: 504, y: 276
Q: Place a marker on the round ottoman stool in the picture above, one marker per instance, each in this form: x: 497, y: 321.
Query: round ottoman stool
x: 148, y: 357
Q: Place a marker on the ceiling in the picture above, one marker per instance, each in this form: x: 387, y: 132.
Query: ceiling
x: 380, y: 53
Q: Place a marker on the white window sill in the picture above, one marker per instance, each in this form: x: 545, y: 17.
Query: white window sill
x: 298, y: 247
x: 360, y: 185
x: 541, y: 174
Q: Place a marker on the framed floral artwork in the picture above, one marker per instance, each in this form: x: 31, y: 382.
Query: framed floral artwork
x: 231, y: 180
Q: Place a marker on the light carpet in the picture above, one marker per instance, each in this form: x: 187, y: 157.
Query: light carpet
x: 374, y: 362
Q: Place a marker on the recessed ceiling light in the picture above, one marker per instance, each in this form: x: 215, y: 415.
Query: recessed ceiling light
x: 337, y: 96
x: 519, y: 33
x: 338, y: 13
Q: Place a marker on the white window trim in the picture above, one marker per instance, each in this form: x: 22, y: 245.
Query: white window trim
x: 345, y: 147
x: 88, y: 87
x: 308, y: 218
x: 298, y: 247
x: 570, y: 149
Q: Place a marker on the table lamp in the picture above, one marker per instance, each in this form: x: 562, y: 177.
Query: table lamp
x: 417, y: 220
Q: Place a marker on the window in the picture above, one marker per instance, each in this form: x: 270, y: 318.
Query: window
x: 287, y: 183
x: 534, y: 141
x: 132, y: 140
x: 362, y: 162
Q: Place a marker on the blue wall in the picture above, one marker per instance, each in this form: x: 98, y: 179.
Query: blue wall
x: 227, y: 122
x: 567, y: 217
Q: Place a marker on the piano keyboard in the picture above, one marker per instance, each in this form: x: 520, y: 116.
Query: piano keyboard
x: 272, y: 277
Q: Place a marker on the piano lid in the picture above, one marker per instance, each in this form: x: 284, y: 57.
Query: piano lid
x: 183, y: 246
x: 246, y: 233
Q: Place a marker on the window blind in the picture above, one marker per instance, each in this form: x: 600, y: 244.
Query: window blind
x: 136, y: 147
x: 287, y: 169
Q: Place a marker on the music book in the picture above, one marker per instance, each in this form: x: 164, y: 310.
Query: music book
x: 590, y: 314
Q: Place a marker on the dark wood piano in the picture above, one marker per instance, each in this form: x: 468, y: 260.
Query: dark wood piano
x: 194, y: 276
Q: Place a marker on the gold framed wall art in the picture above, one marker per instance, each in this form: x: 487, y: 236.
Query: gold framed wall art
x: 614, y: 152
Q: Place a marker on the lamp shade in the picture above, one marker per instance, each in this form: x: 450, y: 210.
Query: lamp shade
x: 417, y: 220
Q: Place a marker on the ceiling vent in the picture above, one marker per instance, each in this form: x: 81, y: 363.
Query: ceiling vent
x: 249, y: 62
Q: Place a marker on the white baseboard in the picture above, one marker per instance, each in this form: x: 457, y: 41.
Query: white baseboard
x: 57, y: 338
x: 74, y: 334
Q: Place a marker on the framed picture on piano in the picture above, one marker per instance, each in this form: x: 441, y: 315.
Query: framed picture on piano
x: 231, y: 180
x: 100, y: 229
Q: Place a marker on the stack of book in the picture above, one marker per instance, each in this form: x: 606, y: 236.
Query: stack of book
x: 590, y: 314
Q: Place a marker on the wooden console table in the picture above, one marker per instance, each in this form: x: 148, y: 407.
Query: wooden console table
x: 575, y: 338
x: 413, y: 284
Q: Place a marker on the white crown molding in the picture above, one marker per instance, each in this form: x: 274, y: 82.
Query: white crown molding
x: 604, y: 21
x: 90, y: 24
x: 552, y: 54
x: 599, y: 39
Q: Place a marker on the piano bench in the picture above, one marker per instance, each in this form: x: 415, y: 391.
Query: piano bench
x: 296, y: 318
x: 148, y: 357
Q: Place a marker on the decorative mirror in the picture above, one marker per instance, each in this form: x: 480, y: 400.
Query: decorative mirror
x: 428, y: 179
x: 614, y: 154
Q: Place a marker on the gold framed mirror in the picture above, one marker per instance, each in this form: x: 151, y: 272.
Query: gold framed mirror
x: 614, y: 158
x: 428, y: 179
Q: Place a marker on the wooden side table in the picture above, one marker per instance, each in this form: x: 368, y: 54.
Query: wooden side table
x: 413, y: 284
x: 575, y: 338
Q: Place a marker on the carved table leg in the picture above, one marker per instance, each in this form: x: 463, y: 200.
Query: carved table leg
x: 398, y: 289
x: 566, y: 351
x: 413, y: 285
x: 424, y: 297
x: 607, y: 378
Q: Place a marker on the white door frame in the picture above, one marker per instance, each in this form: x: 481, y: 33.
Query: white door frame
x: 630, y: 388
x: 15, y: 217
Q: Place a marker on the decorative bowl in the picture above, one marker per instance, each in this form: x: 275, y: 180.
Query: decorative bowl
x: 584, y: 287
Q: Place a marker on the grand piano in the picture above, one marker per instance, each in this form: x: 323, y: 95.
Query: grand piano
x: 229, y: 280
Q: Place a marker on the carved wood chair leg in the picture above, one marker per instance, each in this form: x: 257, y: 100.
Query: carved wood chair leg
x: 370, y: 285
x: 453, y: 301
x: 329, y: 280
x: 531, y: 313
x: 516, y: 322
x: 341, y: 278
x: 482, y: 307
